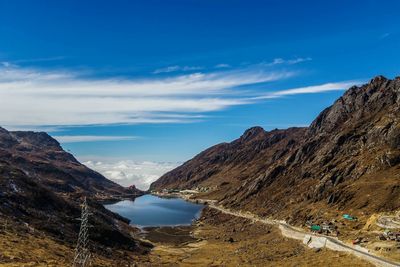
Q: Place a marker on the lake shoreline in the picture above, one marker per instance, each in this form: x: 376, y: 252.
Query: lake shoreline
x: 169, y: 235
x: 157, y: 211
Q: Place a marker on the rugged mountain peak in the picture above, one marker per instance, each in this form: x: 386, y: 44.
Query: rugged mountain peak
x: 253, y: 133
x: 6, y: 140
x: 38, y: 139
x: 28, y: 140
x: 379, y: 79
x: 357, y: 104
x: 42, y: 157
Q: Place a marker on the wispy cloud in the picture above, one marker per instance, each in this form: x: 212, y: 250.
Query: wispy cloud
x: 6, y: 64
x: 126, y: 172
x: 33, y: 97
x: 35, y: 60
x: 222, y: 66
x: 14, y: 63
x: 335, y: 86
x: 177, y: 68
x: 91, y: 138
x: 280, y: 61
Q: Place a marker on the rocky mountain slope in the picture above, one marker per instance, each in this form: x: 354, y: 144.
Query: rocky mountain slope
x: 41, y: 157
x: 41, y: 188
x: 347, y: 159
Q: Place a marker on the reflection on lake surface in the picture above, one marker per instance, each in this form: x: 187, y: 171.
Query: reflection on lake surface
x: 150, y: 210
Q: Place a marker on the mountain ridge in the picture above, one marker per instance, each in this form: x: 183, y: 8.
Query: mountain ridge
x: 43, y: 187
x: 286, y: 173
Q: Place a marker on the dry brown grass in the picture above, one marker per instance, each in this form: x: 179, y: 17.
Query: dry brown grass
x: 224, y: 240
x: 21, y: 248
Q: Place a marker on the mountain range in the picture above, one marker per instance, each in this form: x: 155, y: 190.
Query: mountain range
x: 346, y: 160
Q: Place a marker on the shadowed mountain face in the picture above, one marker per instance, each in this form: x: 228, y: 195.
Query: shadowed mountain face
x: 348, y: 159
x: 42, y: 185
x: 41, y: 157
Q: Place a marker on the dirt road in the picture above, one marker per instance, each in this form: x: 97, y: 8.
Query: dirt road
x: 336, y: 244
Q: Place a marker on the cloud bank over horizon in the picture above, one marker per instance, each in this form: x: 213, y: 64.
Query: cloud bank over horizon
x: 127, y: 172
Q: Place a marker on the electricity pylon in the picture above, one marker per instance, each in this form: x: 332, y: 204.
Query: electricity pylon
x: 82, y: 253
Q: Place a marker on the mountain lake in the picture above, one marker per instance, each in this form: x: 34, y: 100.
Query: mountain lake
x: 154, y: 211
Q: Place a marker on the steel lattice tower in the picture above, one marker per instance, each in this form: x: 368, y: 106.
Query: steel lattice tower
x: 82, y: 253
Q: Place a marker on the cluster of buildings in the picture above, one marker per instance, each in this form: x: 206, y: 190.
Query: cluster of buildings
x: 390, y: 235
x: 186, y: 191
x: 326, y: 228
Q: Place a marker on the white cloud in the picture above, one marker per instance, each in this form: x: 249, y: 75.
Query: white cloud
x: 126, y: 172
x: 222, y: 66
x: 276, y: 61
x: 336, y: 86
x: 91, y: 138
x: 6, y: 64
x: 280, y: 61
x: 14, y: 63
x: 167, y: 69
x: 298, y: 60
x: 177, y: 68
x: 31, y: 97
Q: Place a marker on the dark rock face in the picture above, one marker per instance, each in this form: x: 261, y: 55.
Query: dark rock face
x: 6, y: 139
x: 42, y: 185
x: 349, y: 155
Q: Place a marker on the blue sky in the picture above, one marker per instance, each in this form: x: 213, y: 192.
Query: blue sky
x: 132, y: 88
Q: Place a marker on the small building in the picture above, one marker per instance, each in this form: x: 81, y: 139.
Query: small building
x: 349, y: 217
x: 315, y: 228
x: 389, y: 235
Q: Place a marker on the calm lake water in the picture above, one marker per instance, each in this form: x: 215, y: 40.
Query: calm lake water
x: 149, y: 210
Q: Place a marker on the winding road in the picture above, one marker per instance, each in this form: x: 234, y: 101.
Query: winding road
x: 389, y: 222
x: 298, y: 233
x: 336, y: 244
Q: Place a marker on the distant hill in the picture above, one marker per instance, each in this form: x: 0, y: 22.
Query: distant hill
x: 348, y: 158
x: 42, y: 186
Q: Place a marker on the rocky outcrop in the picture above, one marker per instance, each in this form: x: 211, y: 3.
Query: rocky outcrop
x: 348, y: 157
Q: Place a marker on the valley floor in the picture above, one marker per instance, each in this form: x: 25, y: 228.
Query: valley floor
x: 224, y: 240
x: 217, y: 239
